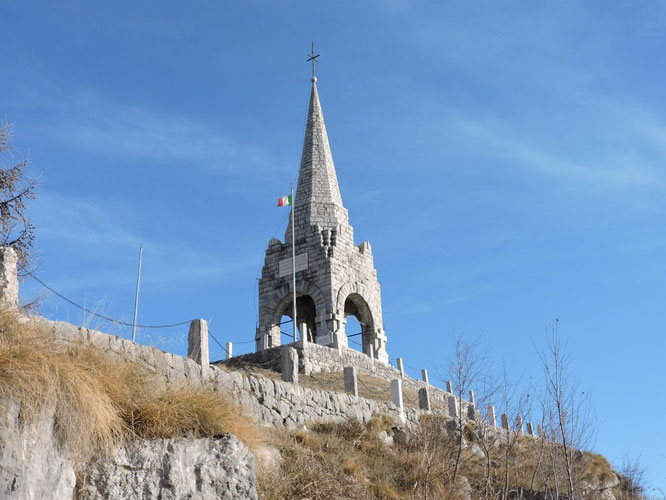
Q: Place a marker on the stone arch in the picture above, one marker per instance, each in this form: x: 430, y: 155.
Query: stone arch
x: 355, y: 305
x: 354, y: 287
x: 353, y: 300
x: 310, y: 305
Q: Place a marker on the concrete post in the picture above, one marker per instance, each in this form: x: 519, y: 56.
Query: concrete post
x: 396, y: 397
x: 424, y: 376
x: 289, y: 364
x: 351, y: 382
x: 424, y: 399
x: 530, y: 429
x: 449, y: 386
x: 505, y: 421
x: 8, y: 278
x: 401, y: 368
x: 471, y: 397
x: 453, y: 407
x: 491, y: 416
x: 230, y: 350
x: 539, y: 430
x: 519, y: 424
x: 197, y: 342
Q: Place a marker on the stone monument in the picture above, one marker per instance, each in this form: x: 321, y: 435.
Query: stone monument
x: 335, y: 278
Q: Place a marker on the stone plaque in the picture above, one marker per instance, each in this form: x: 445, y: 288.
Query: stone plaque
x: 301, y: 264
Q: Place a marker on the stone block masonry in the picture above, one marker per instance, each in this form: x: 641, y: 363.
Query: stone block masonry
x: 351, y: 381
x: 269, y: 402
x: 9, y: 287
x: 314, y: 359
x: 197, y: 342
x: 289, y: 361
x: 336, y: 278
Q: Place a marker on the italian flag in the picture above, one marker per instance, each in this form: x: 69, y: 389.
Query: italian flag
x: 285, y: 201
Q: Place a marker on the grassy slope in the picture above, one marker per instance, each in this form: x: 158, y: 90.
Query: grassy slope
x: 351, y: 460
x: 99, y: 401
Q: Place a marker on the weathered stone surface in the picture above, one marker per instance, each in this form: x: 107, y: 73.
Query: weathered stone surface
x: 424, y: 399
x: 351, y: 380
x: 336, y: 278
x: 8, y: 278
x: 174, y: 469
x: 31, y: 463
x: 290, y: 365
x: 197, y: 342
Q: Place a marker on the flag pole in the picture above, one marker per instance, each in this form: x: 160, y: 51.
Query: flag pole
x: 136, y: 298
x: 293, y: 257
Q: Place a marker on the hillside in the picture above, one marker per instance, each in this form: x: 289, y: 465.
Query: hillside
x: 103, y: 409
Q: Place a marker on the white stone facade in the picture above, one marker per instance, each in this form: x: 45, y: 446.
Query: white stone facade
x: 340, y: 279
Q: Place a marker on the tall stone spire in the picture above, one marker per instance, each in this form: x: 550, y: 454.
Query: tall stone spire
x: 318, y: 201
x: 335, y: 278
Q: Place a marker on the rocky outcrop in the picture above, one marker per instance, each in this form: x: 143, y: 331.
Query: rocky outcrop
x: 31, y: 464
x: 173, y: 469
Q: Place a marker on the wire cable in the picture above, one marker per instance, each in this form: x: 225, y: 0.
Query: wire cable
x: 101, y: 316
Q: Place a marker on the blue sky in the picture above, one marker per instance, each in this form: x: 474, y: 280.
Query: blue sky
x: 504, y: 159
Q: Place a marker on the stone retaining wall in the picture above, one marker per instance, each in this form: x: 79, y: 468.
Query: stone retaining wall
x: 269, y: 402
x: 314, y: 358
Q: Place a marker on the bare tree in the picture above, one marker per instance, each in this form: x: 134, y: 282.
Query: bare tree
x: 464, y: 369
x: 515, y: 402
x: 16, y: 189
x: 569, y: 416
x: 633, y: 479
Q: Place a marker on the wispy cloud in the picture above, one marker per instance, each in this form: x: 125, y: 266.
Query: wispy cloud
x: 85, y: 120
x: 93, y: 235
x: 613, y: 167
x: 126, y: 130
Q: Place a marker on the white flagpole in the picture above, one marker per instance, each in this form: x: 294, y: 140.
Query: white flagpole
x: 136, y: 298
x: 293, y: 257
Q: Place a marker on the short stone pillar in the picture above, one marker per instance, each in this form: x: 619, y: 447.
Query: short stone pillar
x: 230, y: 350
x: 471, y: 397
x: 351, y: 381
x: 8, y: 278
x: 370, y: 351
x: 471, y: 412
x: 519, y: 424
x: 491, y: 416
x: 530, y: 429
x: 424, y: 399
x: 539, y: 430
x: 401, y: 368
x: 396, y: 397
x: 449, y: 386
x: 453, y: 407
x: 424, y: 376
x: 289, y: 364
x: 197, y: 342
x: 505, y: 421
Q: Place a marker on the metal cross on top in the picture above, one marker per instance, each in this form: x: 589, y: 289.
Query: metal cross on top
x: 313, y: 57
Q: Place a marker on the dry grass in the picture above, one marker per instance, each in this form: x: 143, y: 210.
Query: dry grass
x: 349, y: 460
x: 331, y: 461
x: 98, y: 401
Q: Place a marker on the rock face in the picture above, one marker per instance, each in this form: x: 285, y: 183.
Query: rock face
x: 174, y: 469
x: 31, y: 465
